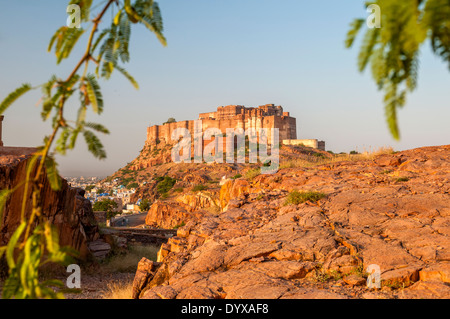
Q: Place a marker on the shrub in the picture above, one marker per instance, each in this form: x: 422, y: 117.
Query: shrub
x: 199, y: 188
x: 251, y: 174
x: 165, y: 184
x: 296, y: 197
x: 170, y: 120
x: 164, y: 196
x: 144, y: 205
x: 105, y: 205
x: 132, y: 185
x: 237, y: 176
x: 179, y: 225
x: 178, y: 190
x: 319, y: 155
x: 402, y: 179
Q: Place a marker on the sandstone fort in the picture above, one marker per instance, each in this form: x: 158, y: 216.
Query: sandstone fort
x: 237, y: 117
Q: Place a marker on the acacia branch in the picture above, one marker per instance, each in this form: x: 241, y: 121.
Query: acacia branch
x: 87, y: 54
x: 61, y: 121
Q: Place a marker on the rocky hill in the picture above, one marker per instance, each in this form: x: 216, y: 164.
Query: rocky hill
x: 308, y: 231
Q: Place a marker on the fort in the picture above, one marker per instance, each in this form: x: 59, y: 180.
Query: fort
x: 232, y: 116
x: 266, y: 116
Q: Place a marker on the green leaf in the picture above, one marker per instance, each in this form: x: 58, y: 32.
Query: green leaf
x: 65, y: 39
x: 12, y: 245
x: 97, y: 127
x: 61, y: 143
x: 12, y: 97
x: 107, y: 69
x: 73, y: 138
x: 31, y: 165
x: 85, y: 6
x: 94, y: 145
x: 52, y: 238
x: 99, y: 39
x: 28, y: 267
x: 353, y: 32
x: 117, y: 17
x: 131, y: 12
x: 94, y: 93
x: 391, y: 117
x: 11, y: 286
x: 124, y: 38
x: 153, y: 27
x: 47, y: 87
x: 436, y: 18
x: 367, y: 48
x: 52, y: 173
x: 47, y: 107
x: 70, y: 39
x: 81, y: 115
x: 128, y: 76
x: 56, y: 253
x: 58, y: 35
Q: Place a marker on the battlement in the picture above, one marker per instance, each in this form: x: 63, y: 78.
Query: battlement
x: 238, y: 112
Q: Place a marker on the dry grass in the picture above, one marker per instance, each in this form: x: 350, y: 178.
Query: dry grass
x: 118, y: 290
x: 252, y: 173
x: 296, y: 197
x: 313, y: 161
x: 127, y: 262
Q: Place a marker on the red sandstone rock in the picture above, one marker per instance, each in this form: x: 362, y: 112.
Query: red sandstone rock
x: 145, y: 271
x: 259, y: 248
x: 167, y: 215
x: 67, y: 208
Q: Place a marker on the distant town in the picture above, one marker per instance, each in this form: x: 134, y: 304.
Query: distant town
x: 99, y: 190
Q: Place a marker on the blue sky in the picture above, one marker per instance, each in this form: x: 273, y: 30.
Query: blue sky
x: 247, y: 52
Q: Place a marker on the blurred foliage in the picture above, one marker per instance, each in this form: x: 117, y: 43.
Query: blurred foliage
x: 393, y: 50
x: 31, y: 247
x: 144, y: 205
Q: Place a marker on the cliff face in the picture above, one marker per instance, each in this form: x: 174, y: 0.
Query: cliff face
x: 390, y: 212
x: 67, y: 208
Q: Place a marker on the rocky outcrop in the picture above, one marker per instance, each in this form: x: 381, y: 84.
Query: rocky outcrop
x: 152, y: 155
x: 197, y: 201
x: 181, y: 210
x: 67, y: 208
x: 167, y: 215
x: 392, y: 212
